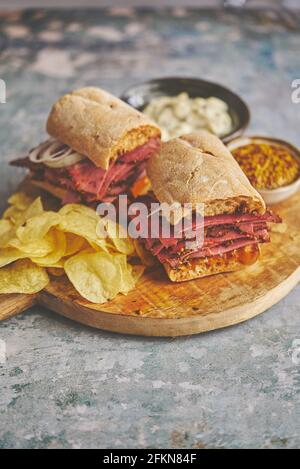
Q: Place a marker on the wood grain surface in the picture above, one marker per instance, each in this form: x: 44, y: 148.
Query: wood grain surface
x: 158, y: 307
x: 11, y: 305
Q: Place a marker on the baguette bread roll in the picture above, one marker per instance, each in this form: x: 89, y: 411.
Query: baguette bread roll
x: 199, y: 169
x: 199, y: 268
x: 99, y: 125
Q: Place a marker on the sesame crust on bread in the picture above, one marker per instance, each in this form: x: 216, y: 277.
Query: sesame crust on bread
x: 99, y: 125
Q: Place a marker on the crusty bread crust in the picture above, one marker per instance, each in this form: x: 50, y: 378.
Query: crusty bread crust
x: 199, y: 169
x: 99, y: 125
x: 199, y: 268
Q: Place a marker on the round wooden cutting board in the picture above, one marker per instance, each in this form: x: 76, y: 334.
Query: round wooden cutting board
x: 158, y: 307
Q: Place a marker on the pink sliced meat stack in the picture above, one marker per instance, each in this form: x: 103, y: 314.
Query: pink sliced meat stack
x: 223, y: 234
x: 86, y: 182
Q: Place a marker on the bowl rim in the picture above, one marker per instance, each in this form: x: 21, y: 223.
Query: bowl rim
x: 281, y: 142
x: 231, y: 135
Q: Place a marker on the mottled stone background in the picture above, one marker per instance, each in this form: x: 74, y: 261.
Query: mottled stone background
x: 65, y: 385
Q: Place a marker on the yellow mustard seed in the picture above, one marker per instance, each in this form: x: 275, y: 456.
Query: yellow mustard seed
x: 267, y: 166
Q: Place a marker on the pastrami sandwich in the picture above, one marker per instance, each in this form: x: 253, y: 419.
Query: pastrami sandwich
x: 199, y: 169
x: 98, y: 150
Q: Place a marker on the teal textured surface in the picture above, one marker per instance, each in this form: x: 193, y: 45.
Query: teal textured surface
x: 64, y: 385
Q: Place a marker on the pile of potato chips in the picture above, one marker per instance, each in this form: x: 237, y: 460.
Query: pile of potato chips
x: 35, y: 243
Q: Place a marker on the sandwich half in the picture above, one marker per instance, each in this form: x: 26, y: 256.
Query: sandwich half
x: 199, y: 169
x: 98, y: 148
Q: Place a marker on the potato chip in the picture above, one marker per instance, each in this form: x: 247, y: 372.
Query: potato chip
x: 20, y: 200
x: 6, y: 232
x: 37, y: 227
x: 83, y: 222
x: 74, y: 244
x: 129, y: 274
x: 9, y: 255
x: 23, y: 277
x: 58, y: 251
x: 13, y: 214
x: 36, y: 248
x: 34, y: 209
x: 84, y: 226
x: 98, y: 277
x: 79, y: 209
x: 59, y: 265
x: 5, y: 227
x: 18, y: 216
x: 34, y: 241
x: 116, y: 234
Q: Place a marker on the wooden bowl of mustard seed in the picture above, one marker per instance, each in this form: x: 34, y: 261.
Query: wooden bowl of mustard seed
x: 271, y: 165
